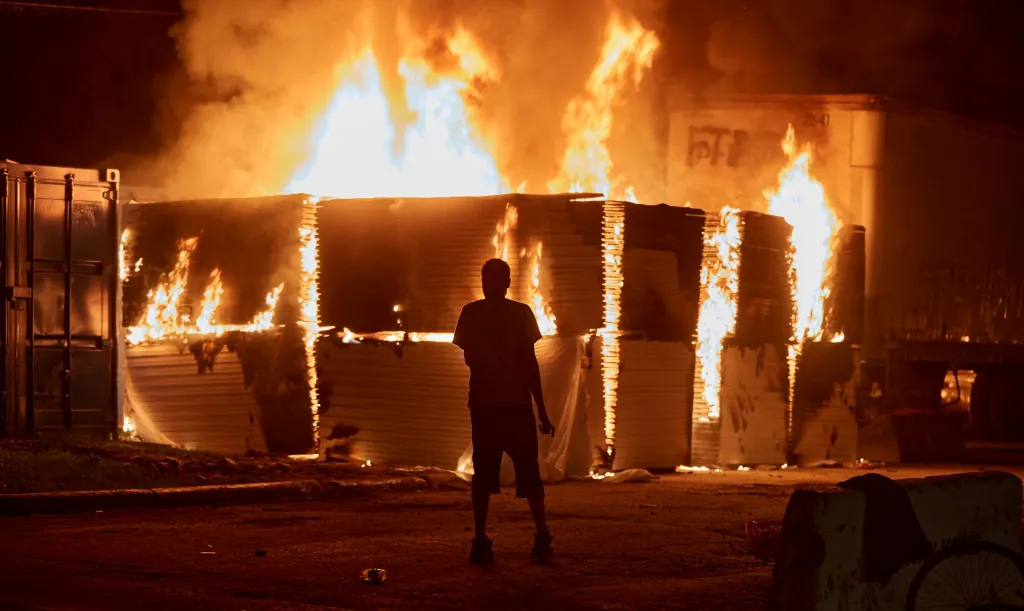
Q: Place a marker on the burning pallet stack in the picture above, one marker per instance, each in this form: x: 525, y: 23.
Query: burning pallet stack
x: 824, y: 412
x: 741, y: 385
x: 220, y: 367
x: 379, y: 284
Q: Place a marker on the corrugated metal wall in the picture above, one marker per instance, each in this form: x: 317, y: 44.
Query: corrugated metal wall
x: 212, y: 412
x: 410, y: 402
x: 652, y: 418
x: 755, y: 400
x: 570, y: 271
x: 410, y: 408
x: 824, y: 403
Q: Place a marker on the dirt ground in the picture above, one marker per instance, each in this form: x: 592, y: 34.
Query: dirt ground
x: 675, y: 543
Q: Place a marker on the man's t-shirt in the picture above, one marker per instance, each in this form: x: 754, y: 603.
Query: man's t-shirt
x: 497, y: 337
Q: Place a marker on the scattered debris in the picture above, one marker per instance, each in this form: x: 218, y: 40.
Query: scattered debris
x: 630, y: 476
x: 374, y: 577
x: 824, y: 464
x: 763, y: 536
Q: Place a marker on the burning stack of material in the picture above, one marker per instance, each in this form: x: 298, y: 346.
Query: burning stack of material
x: 741, y: 395
x: 827, y: 373
x: 395, y: 275
x: 213, y: 317
x: 651, y: 402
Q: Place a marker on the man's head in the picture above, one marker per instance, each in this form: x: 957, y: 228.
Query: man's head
x: 497, y: 277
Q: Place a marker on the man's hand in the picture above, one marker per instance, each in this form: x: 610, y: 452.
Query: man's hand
x: 546, y: 428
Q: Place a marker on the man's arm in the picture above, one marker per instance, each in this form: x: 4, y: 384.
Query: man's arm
x: 461, y: 336
x: 533, y: 380
x: 533, y: 375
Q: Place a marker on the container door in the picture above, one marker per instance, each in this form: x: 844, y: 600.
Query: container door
x: 60, y: 308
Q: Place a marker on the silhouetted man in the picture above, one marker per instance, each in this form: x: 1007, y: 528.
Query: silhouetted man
x: 497, y: 336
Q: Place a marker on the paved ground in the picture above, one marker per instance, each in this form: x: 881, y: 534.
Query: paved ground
x: 676, y: 543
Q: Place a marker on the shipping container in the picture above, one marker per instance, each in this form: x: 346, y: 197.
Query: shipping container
x: 61, y: 300
x: 938, y: 195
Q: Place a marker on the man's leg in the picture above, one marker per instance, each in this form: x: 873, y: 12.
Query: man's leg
x: 481, y: 503
x: 486, y: 474
x: 537, y: 509
x: 523, y: 450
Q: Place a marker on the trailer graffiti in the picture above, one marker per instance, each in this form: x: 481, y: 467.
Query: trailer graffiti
x: 709, y: 144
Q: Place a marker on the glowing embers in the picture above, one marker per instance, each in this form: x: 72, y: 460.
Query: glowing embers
x: 627, y: 55
x: 359, y: 151
x: 719, y: 277
x: 613, y: 239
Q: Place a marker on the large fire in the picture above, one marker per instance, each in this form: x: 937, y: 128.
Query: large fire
x: 716, y: 318
x: 359, y: 152
x: 626, y: 57
x: 800, y: 199
x: 164, y: 317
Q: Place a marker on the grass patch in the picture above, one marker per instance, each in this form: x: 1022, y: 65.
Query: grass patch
x: 25, y: 468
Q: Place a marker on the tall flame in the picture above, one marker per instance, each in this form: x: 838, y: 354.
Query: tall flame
x: 309, y: 305
x: 716, y: 319
x: 205, y: 322
x: 265, y: 319
x: 503, y: 232
x: 542, y: 310
x: 162, y: 316
x: 440, y: 154
x: 800, y: 199
x: 614, y: 227
x: 626, y: 57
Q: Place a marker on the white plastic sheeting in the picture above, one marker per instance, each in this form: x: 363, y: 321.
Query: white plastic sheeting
x: 562, y: 378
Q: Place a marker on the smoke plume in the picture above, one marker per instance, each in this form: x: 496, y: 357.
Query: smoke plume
x: 261, y: 74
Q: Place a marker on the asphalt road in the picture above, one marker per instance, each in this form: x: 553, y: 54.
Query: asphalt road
x: 676, y: 543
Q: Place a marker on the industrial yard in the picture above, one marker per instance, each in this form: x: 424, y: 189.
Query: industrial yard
x: 675, y: 543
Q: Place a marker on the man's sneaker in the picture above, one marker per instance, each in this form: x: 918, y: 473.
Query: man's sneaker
x: 542, y: 545
x: 482, y: 552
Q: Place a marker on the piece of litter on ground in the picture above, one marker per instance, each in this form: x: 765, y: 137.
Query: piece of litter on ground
x: 208, y: 553
x: 374, y: 576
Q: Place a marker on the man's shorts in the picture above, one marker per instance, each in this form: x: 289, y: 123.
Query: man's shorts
x: 512, y: 431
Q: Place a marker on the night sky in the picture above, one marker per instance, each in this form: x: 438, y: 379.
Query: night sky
x: 97, y: 89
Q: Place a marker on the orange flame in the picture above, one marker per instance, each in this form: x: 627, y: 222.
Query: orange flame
x: 800, y: 199
x: 309, y: 305
x: 716, y: 319
x: 625, y: 59
x: 205, y: 322
x: 503, y: 233
x: 614, y: 227
x: 265, y: 319
x: 441, y: 152
x: 162, y: 317
x: 122, y: 264
x: 545, y: 317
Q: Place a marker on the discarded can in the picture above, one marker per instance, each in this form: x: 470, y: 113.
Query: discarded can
x: 375, y: 577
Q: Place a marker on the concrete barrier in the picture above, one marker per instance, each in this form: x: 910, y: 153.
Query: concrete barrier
x: 823, y: 552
